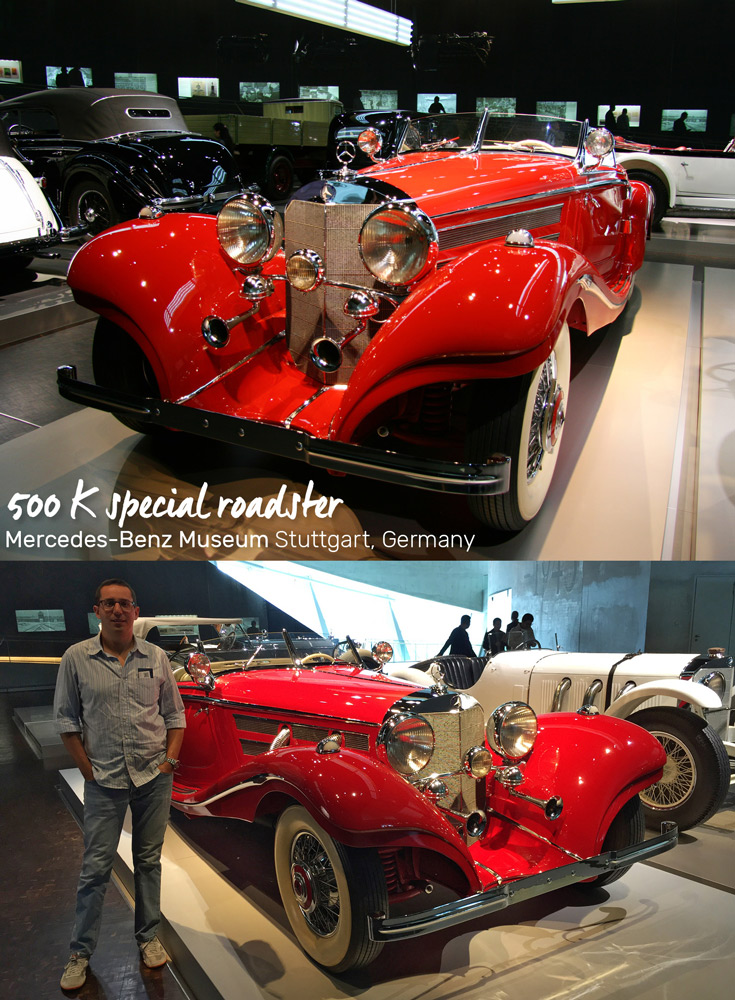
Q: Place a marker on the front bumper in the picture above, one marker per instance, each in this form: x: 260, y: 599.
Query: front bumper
x: 470, y: 479
x: 382, y: 928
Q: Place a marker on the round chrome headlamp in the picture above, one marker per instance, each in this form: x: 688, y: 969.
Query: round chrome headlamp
x: 599, y: 142
x: 478, y: 762
x: 408, y: 743
x: 305, y: 270
x: 398, y: 245
x: 716, y: 681
x: 512, y: 729
x: 370, y: 142
x: 383, y: 651
x: 249, y: 229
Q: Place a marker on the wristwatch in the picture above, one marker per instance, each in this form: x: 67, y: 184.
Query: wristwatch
x: 172, y: 761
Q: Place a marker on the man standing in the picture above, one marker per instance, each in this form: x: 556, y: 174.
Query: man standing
x: 121, y: 718
x: 494, y: 641
x: 458, y: 641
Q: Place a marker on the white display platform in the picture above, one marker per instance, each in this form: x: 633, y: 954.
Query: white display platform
x: 653, y: 935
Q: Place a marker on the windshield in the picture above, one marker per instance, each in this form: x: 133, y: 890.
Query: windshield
x: 523, y: 133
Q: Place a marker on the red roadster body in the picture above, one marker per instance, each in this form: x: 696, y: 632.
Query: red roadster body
x: 381, y: 790
x: 415, y: 326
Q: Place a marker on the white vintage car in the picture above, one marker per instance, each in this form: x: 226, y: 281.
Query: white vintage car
x: 683, y: 699
x: 28, y: 224
x: 681, y: 177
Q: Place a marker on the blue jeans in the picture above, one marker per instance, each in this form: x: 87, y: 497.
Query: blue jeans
x: 104, y: 812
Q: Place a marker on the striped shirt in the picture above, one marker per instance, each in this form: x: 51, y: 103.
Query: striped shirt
x: 122, y: 712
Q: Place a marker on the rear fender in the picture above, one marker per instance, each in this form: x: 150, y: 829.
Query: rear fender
x: 595, y: 764
x: 465, y: 323
x: 158, y: 279
x: 356, y: 799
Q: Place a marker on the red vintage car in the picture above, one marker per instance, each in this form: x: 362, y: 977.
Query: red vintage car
x: 381, y: 790
x: 414, y: 328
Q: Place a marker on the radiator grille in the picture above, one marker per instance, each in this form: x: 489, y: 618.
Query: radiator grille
x: 455, y: 733
x: 332, y: 231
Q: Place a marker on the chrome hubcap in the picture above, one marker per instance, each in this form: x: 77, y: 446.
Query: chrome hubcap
x: 547, y: 418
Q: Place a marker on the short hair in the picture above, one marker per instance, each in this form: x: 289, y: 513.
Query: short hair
x: 527, y: 618
x: 465, y: 618
x: 499, y: 621
x: 113, y: 582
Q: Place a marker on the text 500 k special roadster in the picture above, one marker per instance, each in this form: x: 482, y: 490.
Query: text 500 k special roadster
x: 381, y: 789
x: 414, y: 330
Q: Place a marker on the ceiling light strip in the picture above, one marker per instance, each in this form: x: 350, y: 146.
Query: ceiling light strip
x: 350, y: 15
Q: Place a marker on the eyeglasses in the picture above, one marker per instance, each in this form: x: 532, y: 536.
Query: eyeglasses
x: 108, y: 603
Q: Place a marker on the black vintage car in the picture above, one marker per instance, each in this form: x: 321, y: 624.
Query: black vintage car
x: 388, y: 127
x: 107, y: 154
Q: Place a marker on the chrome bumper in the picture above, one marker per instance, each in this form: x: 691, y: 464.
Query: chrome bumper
x: 382, y: 928
x: 469, y: 479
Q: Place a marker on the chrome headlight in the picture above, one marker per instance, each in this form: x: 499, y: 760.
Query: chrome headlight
x: 305, y: 270
x: 370, y: 142
x: 398, y: 245
x: 249, y: 229
x: 512, y: 729
x: 599, y: 142
x: 716, y: 681
x: 408, y: 743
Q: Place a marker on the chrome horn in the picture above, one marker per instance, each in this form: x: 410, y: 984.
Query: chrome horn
x: 327, y: 353
x: 511, y: 777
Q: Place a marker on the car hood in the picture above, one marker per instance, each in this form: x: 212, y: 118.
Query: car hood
x: 445, y: 182
x: 339, y: 692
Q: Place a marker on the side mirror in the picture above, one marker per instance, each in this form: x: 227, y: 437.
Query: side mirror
x: 199, y: 668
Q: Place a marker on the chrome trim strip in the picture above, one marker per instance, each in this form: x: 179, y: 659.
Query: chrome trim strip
x: 557, y: 192
x: 257, y: 779
x: 243, y: 706
x: 494, y: 874
x: 495, y: 218
x: 232, y: 368
x: 587, y: 283
x: 540, y: 836
x: 287, y: 422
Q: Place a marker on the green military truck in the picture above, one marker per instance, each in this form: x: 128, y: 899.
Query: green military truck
x: 289, y: 137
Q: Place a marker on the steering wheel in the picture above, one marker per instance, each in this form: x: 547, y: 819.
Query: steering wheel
x: 227, y: 641
x: 533, y: 144
x: 319, y: 658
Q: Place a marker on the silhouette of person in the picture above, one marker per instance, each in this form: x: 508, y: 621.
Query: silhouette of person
x: 495, y: 640
x: 458, y: 641
x: 513, y: 621
x: 522, y: 637
x: 679, y: 126
x: 610, y: 120
x: 623, y: 120
x: 62, y: 78
x: 75, y: 77
x: 436, y: 107
x: 222, y: 133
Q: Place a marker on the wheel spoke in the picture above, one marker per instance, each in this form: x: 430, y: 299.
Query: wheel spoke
x: 679, y: 777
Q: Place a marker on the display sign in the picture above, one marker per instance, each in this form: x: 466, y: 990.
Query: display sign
x: 558, y: 109
x: 633, y: 111
x: 137, y: 81
x: 68, y: 76
x: 11, y: 71
x: 198, y: 86
x: 257, y: 92
x: 436, y: 104
x: 683, y: 120
x: 324, y: 93
x: 40, y: 621
x: 496, y: 105
x: 379, y: 100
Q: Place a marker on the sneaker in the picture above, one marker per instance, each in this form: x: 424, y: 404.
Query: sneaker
x: 75, y: 972
x: 152, y: 953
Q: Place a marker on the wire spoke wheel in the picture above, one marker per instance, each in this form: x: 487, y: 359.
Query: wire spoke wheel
x: 315, y: 884
x: 679, y: 777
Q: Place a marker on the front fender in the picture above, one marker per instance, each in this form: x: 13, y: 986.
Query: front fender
x: 356, y: 799
x: 595, y: 764
x: 157, y: 279
x: 692, y: 693
x: 494, y: 313
x: 657, y: 167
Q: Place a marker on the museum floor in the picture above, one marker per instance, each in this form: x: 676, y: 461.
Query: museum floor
x: 663, y: 932
x: 646, y: 470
